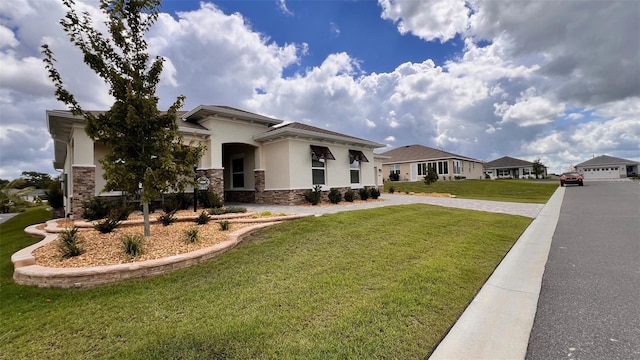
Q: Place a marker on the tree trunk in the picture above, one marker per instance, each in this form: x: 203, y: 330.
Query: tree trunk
x: 145, y: 214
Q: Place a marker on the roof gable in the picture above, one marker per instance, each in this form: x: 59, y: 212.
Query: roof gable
x: 507, y: 161
x: 299, y: 129
x: 607, y: 160
x: 411, y: 153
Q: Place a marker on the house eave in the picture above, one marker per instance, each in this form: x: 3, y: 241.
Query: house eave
x: 314, y: 136
x: 204, y: 111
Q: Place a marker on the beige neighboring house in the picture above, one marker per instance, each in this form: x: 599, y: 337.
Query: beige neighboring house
x: 606, y: 167
x: 511, y: 168
x: 248, y: 158
x: 411, y: 163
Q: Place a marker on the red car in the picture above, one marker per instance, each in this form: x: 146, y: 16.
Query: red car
x: 571, y: 178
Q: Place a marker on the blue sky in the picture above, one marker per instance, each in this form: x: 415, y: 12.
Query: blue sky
x: 552, y: 80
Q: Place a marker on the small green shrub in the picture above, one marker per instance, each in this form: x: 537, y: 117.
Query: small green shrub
x: 392, y: 189
x: 209, y: 199
x: 70, y: 245
x: 364, y: 193
x: 167, y: 218
x: 349, y: 195
x: 235, y: 209
x: 203, y: 218
x: 107, y: 225
x: 121, y: 212
x: 265, y: 213
x: 192, y: 235
x: 95, y: 209
x: 374, y: 193
x: 224, y: 225
x: 55, y: 195
x: 217, y: 211
x: 181, y: 201
x: 314, y: 195
x: 133, y: 245
x: 335, y: 196
x: 394, y: 177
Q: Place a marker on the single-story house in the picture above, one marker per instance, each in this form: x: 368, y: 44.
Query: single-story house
x: 411, y: 163
x: 606, y: 167
x: 511, y: 168
x: 248, y: 158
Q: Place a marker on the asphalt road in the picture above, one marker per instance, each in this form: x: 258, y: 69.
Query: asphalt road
x: 589, y: 305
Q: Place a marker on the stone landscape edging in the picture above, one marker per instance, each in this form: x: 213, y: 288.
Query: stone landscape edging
x: 27, y: 272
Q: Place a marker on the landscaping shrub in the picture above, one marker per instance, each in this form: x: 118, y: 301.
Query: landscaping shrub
x: 394, y: 177
x: 192, y: 235
x: 133, y: 245
x: 107, y: 225
x: 71, y: 243
x: 265, y: 213
x: 349, y: 195
x: 431, y: 176
x: 374, y: 193
x: 96, y: 208
x: 209, y: 199
x: 182, y: 201
x: 335, y: 196
x: 55, y: 195
x: 314, y: 195
x: 203, y: 218
x: 217, y: 211
x: 224, y: 225
x: 364, y: 193
x: 167, y: 218
x: 391, y: 190
x: 235, y: 209
x: 121, y: 212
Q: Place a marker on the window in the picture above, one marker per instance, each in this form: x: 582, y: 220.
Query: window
x: 317, y: 171
x: 237, y: 172
x: 422, y: 169
x: 319, y: 157
x: 443, y: 167
x: 355, y: 171
x: 356, y: 157
x: 457, y: 169
x: 525, y: 171
x: 394, y: 169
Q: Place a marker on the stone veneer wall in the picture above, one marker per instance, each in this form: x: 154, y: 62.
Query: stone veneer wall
x: 243, y: 196
x: 84, y: 187
x: 216, y: 180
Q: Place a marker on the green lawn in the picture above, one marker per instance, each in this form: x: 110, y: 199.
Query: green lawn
x: 378, y: 283
x: 525, y: 191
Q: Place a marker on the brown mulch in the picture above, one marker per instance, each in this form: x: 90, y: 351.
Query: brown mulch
x: 107, y: 249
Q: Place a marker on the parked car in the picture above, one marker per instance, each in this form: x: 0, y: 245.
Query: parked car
x: 571, y: 178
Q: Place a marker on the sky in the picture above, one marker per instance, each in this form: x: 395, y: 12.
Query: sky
x: 557, y: 81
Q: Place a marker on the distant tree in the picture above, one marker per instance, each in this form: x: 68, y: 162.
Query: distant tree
x: 3, y: 182
x: 431, y: 176
x: 538, y: 168
x: 144, y: 144
x: 37, y: 179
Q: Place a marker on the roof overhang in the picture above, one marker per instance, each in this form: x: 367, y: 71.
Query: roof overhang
x: 205, y: 111
x: 60, y: 124
x: 286, y: 132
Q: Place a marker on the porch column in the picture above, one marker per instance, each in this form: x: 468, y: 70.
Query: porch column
x: 259, y: 175
x: 216, y: 181
x: 84, y: 187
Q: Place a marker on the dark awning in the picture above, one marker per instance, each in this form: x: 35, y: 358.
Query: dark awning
x: 357, y: 155
x: 322, y: 152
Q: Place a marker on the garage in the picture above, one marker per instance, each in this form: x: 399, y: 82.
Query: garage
x: 606, y: 167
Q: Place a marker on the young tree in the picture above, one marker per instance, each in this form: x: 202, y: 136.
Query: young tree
x: 431, y: 176
x: 144, y: 144
x: 538, y: 168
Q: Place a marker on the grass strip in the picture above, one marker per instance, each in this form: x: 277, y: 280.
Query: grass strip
x: 377, y: 283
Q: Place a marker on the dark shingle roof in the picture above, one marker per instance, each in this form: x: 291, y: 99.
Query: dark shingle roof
x: 418, y: 153
x: 506, y: 162
x: 305, y: 127
x: 607, y: 160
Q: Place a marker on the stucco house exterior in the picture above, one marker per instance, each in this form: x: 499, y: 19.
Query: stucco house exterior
x: 411, y: 163
x: 511, y: 168
x: 606, y: 167
x: 248, y: 158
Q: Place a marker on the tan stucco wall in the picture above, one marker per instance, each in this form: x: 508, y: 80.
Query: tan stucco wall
x: 277, y: 165
x: 224, y: 131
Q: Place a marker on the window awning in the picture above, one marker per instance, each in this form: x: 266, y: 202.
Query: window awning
x: 357, y: 155
x: 322, y: 152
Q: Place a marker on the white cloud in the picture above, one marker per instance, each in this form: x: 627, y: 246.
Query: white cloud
x: 529, y: 110
x: 335, y: 30
x: 390, y: 139
x: 427, y: 19
x: 282, y: 4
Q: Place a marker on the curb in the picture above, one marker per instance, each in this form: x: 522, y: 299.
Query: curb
x: 498, y: 321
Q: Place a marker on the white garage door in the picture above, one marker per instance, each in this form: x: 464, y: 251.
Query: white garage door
x: 600, y: 173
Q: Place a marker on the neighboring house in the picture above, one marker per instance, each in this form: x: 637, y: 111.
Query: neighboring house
x: 248, y: 157
x: 606, y: 167
x: 510, y: 168
x: 411, y: 163
x: 30, y: 195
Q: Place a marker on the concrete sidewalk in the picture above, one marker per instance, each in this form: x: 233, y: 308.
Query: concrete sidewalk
x: 498, y: 322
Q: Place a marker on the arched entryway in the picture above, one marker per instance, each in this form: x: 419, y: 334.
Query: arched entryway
x: 239, y: 161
